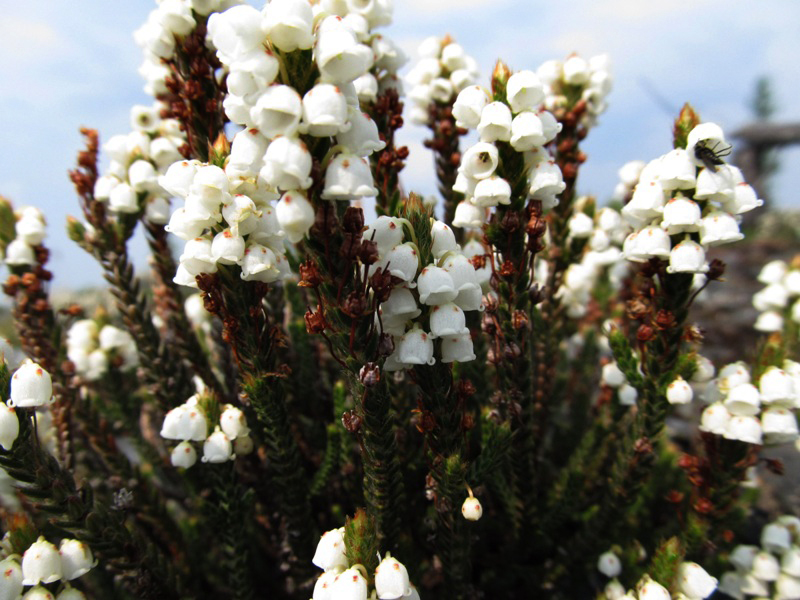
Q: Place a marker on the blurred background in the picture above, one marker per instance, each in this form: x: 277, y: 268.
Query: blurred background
x: 65, y: 67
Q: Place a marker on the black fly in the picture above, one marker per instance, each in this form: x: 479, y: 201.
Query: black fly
x: 711, y: 156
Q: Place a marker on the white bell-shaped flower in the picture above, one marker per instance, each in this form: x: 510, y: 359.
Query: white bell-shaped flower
x: 338, y: 53
x: 330, y: 553
x: 233, y: 422
x: 779, y: 425
x: 260, y: 263
x: 773, y: 272
x: 765, y: 566
x: 361, y: 137
x: 524, y: 91
x: 70, y: 593
x: 719, y: 227
x: 550, y: 125
x: 614, y: 590
x: 38, y: 593
x: 469, y: 105
x: 240, y: 214
x: 247, y: 149
x: 545, y: 179
x: 447, y: 320
x: 694, y: 581
x: 10, y: 579
x: 492, y: 191
x: 731, y: 584
x: 416, y: 348
x: 349, y: 585
x: 402, y: 261
x: 323, y: 586
x: 142, y: 176
x: 627, y: 395
x: 227, y: 248
x: 435, y: 286
x: 197, y: 257
x: 646, y: 203
x: 527, y: 132
x: 681, y: 214
x: 31, y: 386
x: 744, y: 199
x: 612, y: 375
x: 753, y: 586
x: 469, y: 216
x: 391, y: 579
x: 235, y: 32
x: 742, y: 557
x: 157, y: 210
x: 324, y: 110
x: 495, y: 123
x: 716, y: 185
x: 776, y: 385
x: 480, y: 160
x: 217, y: 448
x: 745, y: 429
x: 676, y: 170
x: 655, y: 242
x: 769, y: 322
x: 679, y: 391
x: 295, y: 215
x: 386, y: 232
x: 792, y: 282
x: 744, y: 400
x: 287, y: 164
x: 787, y: 587
x: 288, y: 24
x: 277, y: 111
x: 457, y: 348
x: 9, y: 426
x: 651, y: 590
x: 400, y: 306
x: 444, y: 240
x: 348, y: 177
x: 715, y: 419
x: 123, y: 199
x: 575, y: 70
x: 41, y: 563
x: 580, y: 225
x: 76, y: 559
x: 704, y: 370
x: 709, y: 135
x: 19, y: 253
x: 471, y: 509
x: 243, y: 445
x: 790, y: 560
x: 173, y: 426
x: 609, y: 564
x: 31, y: 227
x: 776, y: 537
x: 773, y: 297
x: 687, y: 257
x: 183, y: 455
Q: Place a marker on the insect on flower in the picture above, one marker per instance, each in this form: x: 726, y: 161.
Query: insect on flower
x: 711, y: 156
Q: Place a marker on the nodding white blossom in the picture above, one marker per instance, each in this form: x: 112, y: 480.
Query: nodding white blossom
x: 31, y: 386
x: 218, y: 447
x: 330, y: 553
x: 391, y: 579
x: 471, y: 509
x: 76, y: 559
x: 41, y: 563
x: 9, y: 426
x: 10, y: 578
x: 609, y: 564
x: 183, y: 455
x: 694, y: 581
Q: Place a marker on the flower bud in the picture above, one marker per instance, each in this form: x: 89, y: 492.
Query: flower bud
x: 391, y: 579
x: 609, y: 564
x: 472, y: 509
x: 38, y: 593
x: 183, y: 455
x: 70, y: 593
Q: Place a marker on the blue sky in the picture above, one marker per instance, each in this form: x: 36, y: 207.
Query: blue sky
x: 63, y: 68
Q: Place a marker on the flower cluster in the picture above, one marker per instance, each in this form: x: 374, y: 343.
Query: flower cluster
x: 755, y: 412
x: 30, y: 230
x: 444, y: 69
x: 692, y: 582
x: 163, y: 31
x: 780, y: 298
x: 433, y: 301
x: 224, y: 228
x: 517, y: 120
x: 130, y: 182
x: 342, y: 580
x: 687, y: 201
x: 189, y: 422
x: 43, y: 563
x: 577, y: 79
x: 771, y: 570
x: 92, y: 349
x: 604, y: 235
